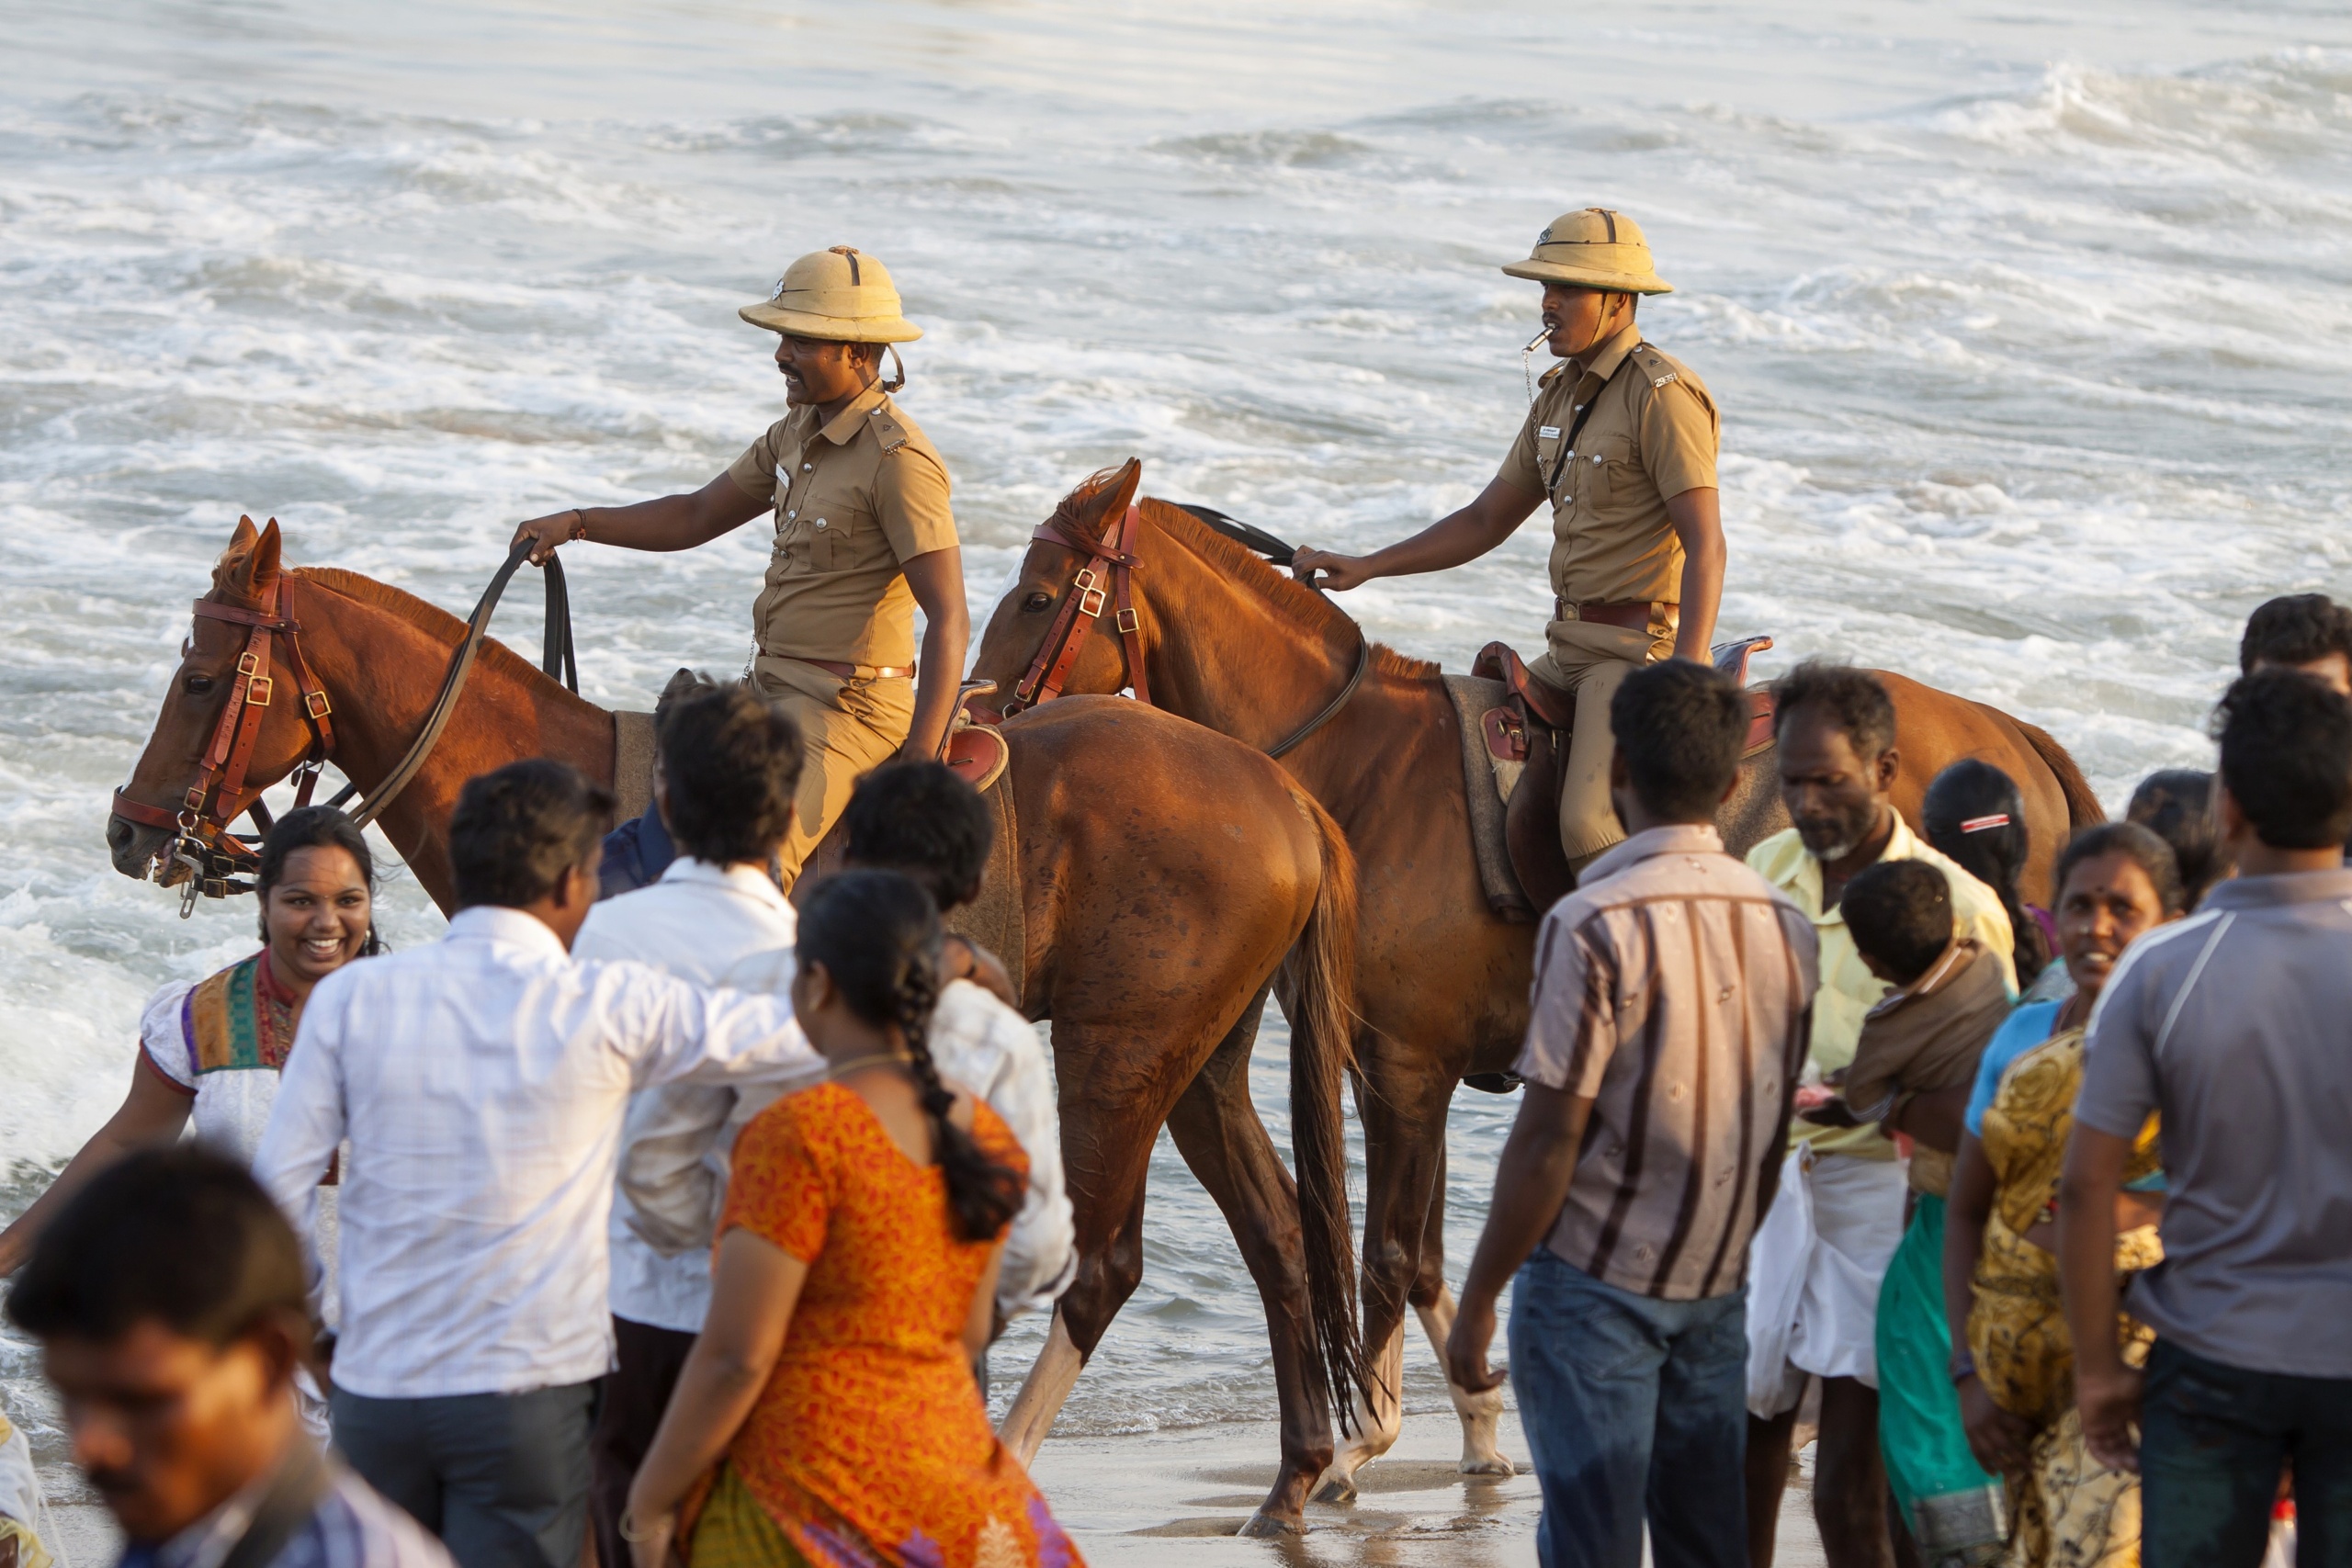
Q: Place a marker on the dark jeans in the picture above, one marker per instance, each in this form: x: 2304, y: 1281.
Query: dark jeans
x: 636, y: 1394
x: 2212, y: 1441
x: 501, y: 1478
x: 1633, y: 1407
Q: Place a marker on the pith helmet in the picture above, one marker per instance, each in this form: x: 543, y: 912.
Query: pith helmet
x: 840, y: 295
x: 1593, y: 249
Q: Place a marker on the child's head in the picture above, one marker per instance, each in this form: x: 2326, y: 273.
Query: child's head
x: 1899, y: 912
x: 920, y: 820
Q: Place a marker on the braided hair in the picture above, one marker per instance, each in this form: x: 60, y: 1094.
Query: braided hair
x: 878, y: 936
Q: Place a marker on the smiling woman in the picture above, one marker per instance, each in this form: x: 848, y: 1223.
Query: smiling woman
x: 211, y: 1050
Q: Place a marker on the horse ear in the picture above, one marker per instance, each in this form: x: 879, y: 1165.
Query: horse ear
x: 232, y: 573
x: 265, y: 564
x: 1120, y: 493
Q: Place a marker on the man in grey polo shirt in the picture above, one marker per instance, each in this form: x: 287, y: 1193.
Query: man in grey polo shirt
x: 2235, y: 1028
x: 1672, y: 1003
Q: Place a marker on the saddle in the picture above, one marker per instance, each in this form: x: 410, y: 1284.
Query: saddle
x: 1526, y: 737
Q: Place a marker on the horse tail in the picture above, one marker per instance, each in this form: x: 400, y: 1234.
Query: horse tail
x: 1322, y: 982
x: 2083, y: 809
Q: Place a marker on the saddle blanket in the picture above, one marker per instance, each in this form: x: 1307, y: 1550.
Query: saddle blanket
x: 1488, y: 780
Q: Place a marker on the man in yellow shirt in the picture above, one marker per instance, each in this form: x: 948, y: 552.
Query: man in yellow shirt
x: 862, y: 536
x: 1835, y: 727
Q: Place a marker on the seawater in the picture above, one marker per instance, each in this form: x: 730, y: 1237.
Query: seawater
x: 2028, y: 332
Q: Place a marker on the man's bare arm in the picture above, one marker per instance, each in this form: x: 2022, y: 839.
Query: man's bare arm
x: 1539, y: 1161
x: 937, y: 579
x: 1456, y: 538
x: 1698, y: 521
x: 665, y: 523
x: 2106, y: 1389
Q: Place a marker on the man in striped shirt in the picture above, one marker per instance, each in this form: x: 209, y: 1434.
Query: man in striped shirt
x: 1672, y: 1003
x: 171, y: 1301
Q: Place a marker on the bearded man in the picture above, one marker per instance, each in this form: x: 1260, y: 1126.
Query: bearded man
x: 1835, y: 727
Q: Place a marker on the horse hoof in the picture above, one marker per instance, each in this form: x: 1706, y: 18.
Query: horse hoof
x: 1334, y: 1489
x: 1487, y: 1464
x: 1263, y: 1525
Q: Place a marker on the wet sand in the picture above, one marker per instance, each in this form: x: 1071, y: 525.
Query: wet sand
x: 1176, y: 1500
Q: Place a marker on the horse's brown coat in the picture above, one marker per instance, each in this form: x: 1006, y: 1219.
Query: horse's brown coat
x: 1442, y: 982
x: 1166, y: 872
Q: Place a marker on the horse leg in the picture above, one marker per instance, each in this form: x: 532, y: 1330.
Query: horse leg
x: 1403, y: 1110
x: 1433, y: 1299
x: 1218, y: 1130
x: 1109, y: 1122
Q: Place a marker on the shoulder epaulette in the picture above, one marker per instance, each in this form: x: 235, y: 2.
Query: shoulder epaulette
x: 1552, y: 374
x: 1654, y: 365
x: 888, y: 430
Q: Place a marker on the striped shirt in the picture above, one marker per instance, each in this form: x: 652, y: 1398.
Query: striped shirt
x: 1674, y: 987
x: 353, y: 1527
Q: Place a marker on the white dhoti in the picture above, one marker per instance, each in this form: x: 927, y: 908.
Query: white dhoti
x: 1813, y: 1273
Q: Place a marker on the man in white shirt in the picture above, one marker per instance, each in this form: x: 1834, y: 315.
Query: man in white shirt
x: 728, y: 763
x: 481, y: 1082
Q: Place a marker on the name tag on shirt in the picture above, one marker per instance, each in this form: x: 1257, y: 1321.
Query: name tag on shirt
x: 1548, y: 432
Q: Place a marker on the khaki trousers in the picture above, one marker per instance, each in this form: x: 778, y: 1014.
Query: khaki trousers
x: 1590, y: 661
x: 847, y: 729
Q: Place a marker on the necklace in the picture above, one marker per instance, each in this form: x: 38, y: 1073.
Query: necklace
x: 834, y: 1074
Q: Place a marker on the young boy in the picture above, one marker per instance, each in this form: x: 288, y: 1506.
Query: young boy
x: 1949, y: 995
x: 1911, y: 1073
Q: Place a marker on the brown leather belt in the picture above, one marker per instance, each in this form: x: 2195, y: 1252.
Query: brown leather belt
x: 836, y: 669
x: 1637, y: 616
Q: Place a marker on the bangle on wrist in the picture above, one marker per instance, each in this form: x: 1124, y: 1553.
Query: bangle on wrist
x: 1963, y: 1366
x: 625, y: 1527
x: 579, y: 522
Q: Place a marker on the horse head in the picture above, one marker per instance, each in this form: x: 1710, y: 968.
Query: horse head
x: 199, y: 770
x: 1053, y: 593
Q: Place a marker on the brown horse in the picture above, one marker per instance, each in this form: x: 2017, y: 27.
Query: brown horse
x: 1165, y: 873
x: 1443, y: 983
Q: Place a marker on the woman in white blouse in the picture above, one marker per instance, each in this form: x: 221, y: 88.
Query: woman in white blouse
x: 211, y: 1050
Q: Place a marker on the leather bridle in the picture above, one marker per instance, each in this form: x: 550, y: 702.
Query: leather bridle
x: 214, y: 854
x: 211, y: 805
x: 1084, y: 604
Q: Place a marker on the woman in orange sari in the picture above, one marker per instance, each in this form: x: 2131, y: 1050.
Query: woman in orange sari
x: 854, y: 1282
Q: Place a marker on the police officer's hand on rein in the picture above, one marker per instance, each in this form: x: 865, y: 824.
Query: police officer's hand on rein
x: 547, y: 533
x: 1339, y: 572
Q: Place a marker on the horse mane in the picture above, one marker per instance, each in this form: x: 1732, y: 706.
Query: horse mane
x: 1301, y: 604
x: 430, y: 619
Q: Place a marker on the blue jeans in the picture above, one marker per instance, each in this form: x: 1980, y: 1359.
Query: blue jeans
x: 2212, y: 1441
x: 1633, y: 1407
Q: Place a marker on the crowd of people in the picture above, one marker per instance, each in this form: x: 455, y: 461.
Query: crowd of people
x: 679, y: 1215
x: 652, y: 1219
x: 2040, y: 1216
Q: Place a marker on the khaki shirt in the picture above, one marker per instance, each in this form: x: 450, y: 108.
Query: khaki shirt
x: 852, y: 502
x: 1653, y: 435
x: 1849, y: 989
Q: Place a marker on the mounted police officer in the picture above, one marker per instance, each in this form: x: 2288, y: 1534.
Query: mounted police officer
x: 863, y: 534
x: 1622, y: 440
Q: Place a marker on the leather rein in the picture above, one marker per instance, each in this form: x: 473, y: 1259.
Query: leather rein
x: 207, y: 844
x: 1082, y: 606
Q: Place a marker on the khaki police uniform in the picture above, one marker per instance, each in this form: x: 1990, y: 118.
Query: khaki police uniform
x: 854, y: 498
x: 1648, y: 431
